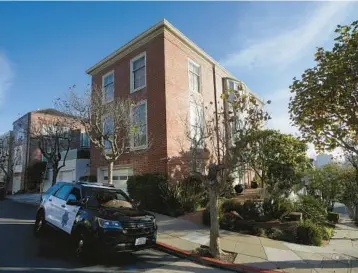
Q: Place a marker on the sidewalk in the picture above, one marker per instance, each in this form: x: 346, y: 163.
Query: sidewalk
x: 340, y: 255
x: 257, y: 254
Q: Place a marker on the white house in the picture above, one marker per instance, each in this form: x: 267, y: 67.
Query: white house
x: 76, y: 165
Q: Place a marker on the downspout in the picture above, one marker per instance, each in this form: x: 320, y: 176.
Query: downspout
x: 27, y: 158
x: 216, y: 113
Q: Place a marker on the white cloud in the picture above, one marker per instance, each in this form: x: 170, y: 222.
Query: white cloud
x: 286, y: 47
x: 6, y: 76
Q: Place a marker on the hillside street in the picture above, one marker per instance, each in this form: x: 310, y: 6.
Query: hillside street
x: 21, y: 251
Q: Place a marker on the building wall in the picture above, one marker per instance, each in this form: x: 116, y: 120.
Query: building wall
x: 149, y: 160
x: 29, y: 145
x: 168, y: 99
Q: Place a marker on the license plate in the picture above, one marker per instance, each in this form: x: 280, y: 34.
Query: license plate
x: 140, y: 241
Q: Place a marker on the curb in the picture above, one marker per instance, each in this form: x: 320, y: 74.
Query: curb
x: 211, y: 261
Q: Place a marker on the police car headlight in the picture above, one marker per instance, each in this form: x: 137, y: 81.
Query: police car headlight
x: 109, y: 224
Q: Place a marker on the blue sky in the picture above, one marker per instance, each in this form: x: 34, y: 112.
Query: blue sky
x: 46, y: 47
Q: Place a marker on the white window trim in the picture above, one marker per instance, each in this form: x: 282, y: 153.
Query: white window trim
x: 104, y: 94
x: 132, y: 89
x: 145, y: 146
x: 190, y: 61
x: 201, y: 105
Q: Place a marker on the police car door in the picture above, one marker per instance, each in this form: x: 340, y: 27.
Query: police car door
x: 70, y: 212
x: 59, y: 205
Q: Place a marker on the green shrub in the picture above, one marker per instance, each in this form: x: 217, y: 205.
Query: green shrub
x: 327, y: 233
x: 275, y: 234
x: 192, y: 193
x: 252, y: 210
x: 312, y: 208
x: 228, y: 221
x: 333, y: 217
x: 169, y: 194
x: 254, y: 185
x: 277, y: 208
x: 309, y: 233
x: 258, y: 231
x: 146, y: 190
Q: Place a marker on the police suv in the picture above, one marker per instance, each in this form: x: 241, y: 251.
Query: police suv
x: 96, y: 216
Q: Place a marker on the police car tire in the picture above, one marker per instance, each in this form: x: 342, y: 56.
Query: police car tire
x: 82, y: 252
x: 40, y: 220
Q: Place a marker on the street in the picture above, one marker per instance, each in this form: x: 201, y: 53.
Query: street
x: 20, y: 251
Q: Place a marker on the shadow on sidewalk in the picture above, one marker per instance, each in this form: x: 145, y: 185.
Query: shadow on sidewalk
x: 306, y: 264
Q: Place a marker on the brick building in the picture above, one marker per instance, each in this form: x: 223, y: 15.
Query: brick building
x: 168, y: 76
x: 25, y: 145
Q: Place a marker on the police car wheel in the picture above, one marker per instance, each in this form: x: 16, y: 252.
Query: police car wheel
x: 40, y: 224
x: 81, y: 246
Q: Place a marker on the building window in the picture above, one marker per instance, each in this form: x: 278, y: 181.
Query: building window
x: 138, y: 72
x: 194, y: 76
x: 85, y: 142
x: 139, y: 123
x: 108, y: 87
x: 196, y: 116
x: 108, y: 130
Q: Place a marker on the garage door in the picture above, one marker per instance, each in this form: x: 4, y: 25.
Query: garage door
x: 16, y: 185
x: 66, y: 176
x: 120, y: 177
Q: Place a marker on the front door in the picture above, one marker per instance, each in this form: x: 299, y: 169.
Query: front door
x: 59, y: 214
x: 70, y: 212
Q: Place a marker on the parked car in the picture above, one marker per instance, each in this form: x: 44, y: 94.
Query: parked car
x: 95, y: 216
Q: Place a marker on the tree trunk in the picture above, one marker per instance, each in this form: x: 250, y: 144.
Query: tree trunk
x: 54, y: 175
x: 214, y: 223
x: 110, y: 173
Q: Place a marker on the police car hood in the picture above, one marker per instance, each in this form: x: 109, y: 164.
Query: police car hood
x: 118, y: 213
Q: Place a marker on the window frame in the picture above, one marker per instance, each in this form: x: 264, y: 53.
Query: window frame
x: 104, y: 87
x: 191, y: 62
x: 145, y: 146
x: 197, y: 107
x: 131, y: 72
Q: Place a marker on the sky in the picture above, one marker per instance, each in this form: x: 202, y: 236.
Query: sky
x: 45, y: 47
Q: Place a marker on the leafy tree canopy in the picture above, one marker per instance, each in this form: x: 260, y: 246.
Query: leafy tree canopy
x: 325, y: 100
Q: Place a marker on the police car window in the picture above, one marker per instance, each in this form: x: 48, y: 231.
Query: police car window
x: 63, y: 192
x: 53, y: 189
x: 99, y: 197
x: 75, y: 194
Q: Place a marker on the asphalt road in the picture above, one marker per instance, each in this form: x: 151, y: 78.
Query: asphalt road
x: 20, y: 251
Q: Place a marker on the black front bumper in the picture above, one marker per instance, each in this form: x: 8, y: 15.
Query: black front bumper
x: 124, y: 240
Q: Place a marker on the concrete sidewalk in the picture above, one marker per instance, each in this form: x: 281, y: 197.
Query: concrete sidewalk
x: 266, y: 254
x: 340, y: 255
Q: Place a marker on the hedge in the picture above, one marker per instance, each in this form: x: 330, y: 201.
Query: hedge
x: 333, y: 217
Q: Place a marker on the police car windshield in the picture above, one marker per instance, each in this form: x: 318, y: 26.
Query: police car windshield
x: 101, y: 197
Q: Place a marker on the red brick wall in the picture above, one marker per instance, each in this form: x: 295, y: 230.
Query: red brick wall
x: 149, y: 160
x: 178, y: 97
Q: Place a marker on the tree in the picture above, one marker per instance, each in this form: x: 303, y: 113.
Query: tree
x: 327, y: 181
x: 53, y: 136
x: 324, y: 104
x: 108, y: 124
x: 277, y: 159
x: 7, y: 160
x: 240, y: 113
